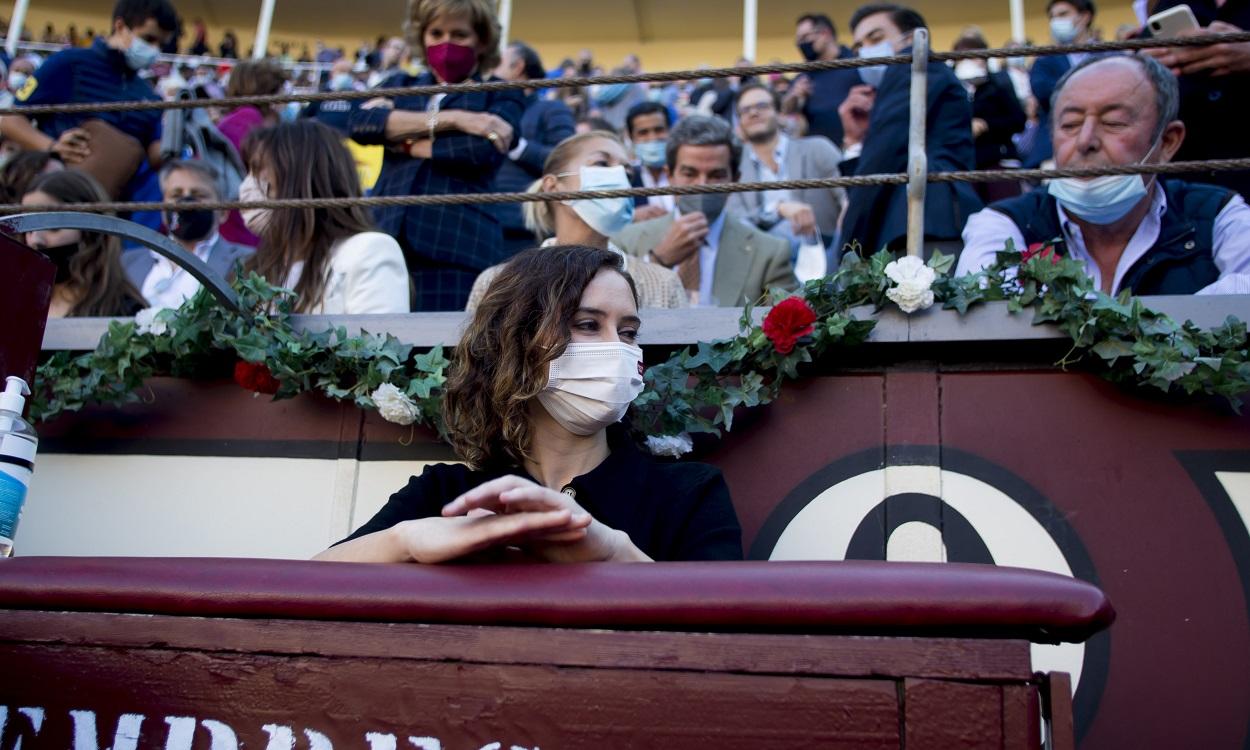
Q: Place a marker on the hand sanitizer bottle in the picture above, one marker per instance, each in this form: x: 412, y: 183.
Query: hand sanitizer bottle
x: 17, y: 459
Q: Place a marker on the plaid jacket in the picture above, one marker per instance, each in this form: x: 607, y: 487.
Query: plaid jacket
x: 445, y: 246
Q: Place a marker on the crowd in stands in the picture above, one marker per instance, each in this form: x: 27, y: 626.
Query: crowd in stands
x: 1151, y: 235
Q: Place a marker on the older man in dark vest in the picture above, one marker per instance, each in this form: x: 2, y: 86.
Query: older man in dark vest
x: 1136, y: 232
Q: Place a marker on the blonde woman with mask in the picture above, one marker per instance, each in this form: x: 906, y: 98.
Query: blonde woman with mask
x: 590, y: 161
x: 539, y: 383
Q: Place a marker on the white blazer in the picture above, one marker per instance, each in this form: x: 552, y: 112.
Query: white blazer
x: 367, y: 275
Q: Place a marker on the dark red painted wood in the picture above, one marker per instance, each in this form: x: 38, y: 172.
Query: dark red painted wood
x: 463, y: 704
x: 941, y: 715
x: 25, y: 293
x: 744, y: 653
x: 1058, y: 689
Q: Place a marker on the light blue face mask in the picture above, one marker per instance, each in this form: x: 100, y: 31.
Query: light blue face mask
x: 1102, y: 200
x: 290, y: 111
x: 652, y: 153
x: 141, y: 53
x: 1063, y: 30
x: 872, y: 74
x: 607, y: 216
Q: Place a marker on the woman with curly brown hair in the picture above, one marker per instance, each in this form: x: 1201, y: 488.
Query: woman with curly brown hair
x: 543, y: 374
x: 90, y: 280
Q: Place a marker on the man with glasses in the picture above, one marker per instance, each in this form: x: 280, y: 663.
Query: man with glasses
x: 797, y: 216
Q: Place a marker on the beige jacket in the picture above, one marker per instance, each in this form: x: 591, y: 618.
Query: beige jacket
x: 657, y: 286
x: 748, y: 262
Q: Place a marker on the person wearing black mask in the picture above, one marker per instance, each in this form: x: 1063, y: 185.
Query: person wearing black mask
x: 89, y: 279
x: 818, y: 95
x: 163, y: 283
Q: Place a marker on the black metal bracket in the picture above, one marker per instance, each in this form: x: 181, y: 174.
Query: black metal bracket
x: 19, y: 224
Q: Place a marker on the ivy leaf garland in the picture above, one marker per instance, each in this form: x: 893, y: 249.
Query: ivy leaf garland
x: 699, y: 388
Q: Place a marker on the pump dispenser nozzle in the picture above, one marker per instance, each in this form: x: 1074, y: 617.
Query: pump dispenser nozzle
x: 14, y: 397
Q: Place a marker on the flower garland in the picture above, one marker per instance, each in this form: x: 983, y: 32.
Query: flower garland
x: 697, y: 390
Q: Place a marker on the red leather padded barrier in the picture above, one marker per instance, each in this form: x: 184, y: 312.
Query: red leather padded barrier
x: 815, y: 597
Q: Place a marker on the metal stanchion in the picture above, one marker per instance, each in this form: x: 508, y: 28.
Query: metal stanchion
x: 917, y: 162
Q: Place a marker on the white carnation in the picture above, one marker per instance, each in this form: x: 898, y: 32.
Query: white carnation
x: 146, y: 321
x: 394, y: 405
x: 913, y: 281
x: 674, y: 446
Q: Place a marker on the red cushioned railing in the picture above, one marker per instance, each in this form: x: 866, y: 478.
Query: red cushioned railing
x: 813, y: 597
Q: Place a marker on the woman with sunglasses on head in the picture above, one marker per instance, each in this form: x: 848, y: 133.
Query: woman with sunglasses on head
x: 543, y: 374
x: 590, y: 161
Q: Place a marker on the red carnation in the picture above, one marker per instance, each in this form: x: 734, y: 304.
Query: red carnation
x: 1043, y: 249
x: 790, y: 320
x: 255, y: 377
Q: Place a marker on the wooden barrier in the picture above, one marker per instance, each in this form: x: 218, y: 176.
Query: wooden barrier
x: 943, y: 438
x: 222, y: 654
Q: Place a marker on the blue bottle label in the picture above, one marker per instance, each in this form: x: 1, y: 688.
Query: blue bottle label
x: 12, y: 495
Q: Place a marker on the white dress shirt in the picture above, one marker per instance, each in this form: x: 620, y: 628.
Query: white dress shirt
x: 707, y: 262
x: 987, y: 231
x: 169, y: 285
x: 772, y: 198
x: 367, y: 275
x: 667, y: 202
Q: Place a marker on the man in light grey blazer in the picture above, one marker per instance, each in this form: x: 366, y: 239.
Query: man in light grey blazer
x: 771, y: 155
x: 162, y: 283
x: 722, y: 261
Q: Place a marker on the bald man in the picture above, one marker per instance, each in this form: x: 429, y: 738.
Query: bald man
x: 1137, y: 232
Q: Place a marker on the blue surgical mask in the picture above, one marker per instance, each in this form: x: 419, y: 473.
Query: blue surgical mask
x: 872, y: 74
x: 141, y: 53
x: 652, y: 153
x: 290, y: 111
x: 342, y: 82
x: 17, y: 80
x: 1063, y: 30
x: 607, y: 216
x: 1102, y: 200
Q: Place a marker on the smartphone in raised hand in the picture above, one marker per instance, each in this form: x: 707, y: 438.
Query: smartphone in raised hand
x: 1172, y: 22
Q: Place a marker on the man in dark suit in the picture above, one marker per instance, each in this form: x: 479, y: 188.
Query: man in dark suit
x: 544, y: 124
x: 817, y: 95
x: 162, y: 283
x: 1213, y: 80
x: 875, y: 118
x: 722, y: 261
x: 1071, y: 22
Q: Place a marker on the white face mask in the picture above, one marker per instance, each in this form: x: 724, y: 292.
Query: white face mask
x: 872, y: 74
x: 591, y: 386
x: 1102, y: 200
x: 256, y: 219
x: 607, y: 216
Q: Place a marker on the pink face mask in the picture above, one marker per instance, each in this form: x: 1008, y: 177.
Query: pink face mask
x: 452, y: 63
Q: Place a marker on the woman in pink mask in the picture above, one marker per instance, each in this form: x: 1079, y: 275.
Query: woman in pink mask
x: 441, y: 144
x: 543, y: 374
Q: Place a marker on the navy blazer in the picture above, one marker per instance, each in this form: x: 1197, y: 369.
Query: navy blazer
x: 877, y: 216
x: 1044, y: 75
x: 545, y: 123
x: 445, y: 247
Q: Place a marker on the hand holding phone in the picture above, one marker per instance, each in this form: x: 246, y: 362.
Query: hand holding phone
x: 1172, y: 22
